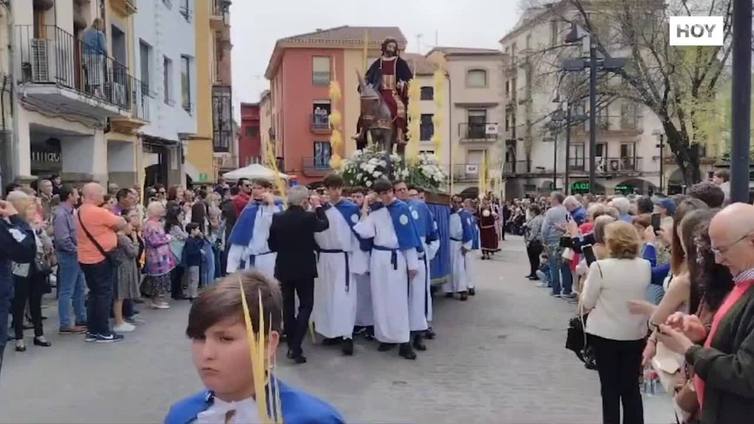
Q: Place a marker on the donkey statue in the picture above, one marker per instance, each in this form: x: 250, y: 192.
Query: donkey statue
x: 375, y: 119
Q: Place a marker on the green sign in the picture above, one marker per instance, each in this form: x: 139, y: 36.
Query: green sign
x: 203, y: 177
x: 580, y: 187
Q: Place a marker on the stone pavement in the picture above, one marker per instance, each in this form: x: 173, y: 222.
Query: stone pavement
x: 498, y: 358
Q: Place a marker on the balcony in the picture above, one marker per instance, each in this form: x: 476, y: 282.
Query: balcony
x: 219, y: 17
x: 466, y: 172
x: 315, y: 167
x: 65, y: 75
x: 483, y: 132
x: 513, y: 168
x: 319, y: 124
x: 124, y: 7
x: 222, y: 118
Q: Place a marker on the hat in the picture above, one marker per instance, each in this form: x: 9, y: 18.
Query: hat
x: 665, y: 202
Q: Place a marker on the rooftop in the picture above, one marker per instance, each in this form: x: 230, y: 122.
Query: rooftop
x: 419, y: 64
x: 471, y: 51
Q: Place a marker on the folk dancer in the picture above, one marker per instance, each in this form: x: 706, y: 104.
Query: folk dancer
x: 420, y: 297
x: 222, y: 358
x: 461, y: 240
x: 394, y: 262
x: 335, y: 291
x: 488, y: 219
x: 364, y: 316
x: 248, y: 239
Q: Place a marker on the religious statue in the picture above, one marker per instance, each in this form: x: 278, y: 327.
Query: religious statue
x: 389, y: 76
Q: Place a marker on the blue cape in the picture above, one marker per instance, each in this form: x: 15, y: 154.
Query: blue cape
x: 351, y: 213
x: 244, y: 228
x: 467, y: 224
x: 405, y: 228
x: 424, y: 220
x: 298, y: 408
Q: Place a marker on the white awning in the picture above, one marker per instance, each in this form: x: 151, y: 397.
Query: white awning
x: 254, y: 171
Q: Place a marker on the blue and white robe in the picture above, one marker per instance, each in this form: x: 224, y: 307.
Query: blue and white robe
x: 248, y: 240
x: 420, y: 298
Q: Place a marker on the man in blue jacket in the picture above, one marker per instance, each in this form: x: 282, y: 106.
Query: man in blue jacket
x: 16, y: 244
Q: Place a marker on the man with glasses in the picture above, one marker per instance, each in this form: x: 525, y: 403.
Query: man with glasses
x: 394, y: 263
x: 721, y: 355
x: 244, y: 195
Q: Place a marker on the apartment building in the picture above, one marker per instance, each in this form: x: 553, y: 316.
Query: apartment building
x: 75, y: 109
x: 627, y: 154
x: 166, y: 59
x: 300, y: 71
x: 475, y: 104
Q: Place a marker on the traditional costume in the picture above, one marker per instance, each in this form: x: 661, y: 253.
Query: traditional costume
x: 461, y: 236
x: 297, y: 407
x: 420, y: 298
x: 394, y: 253
x: 248, y: 239
x: 475, y: 245
x: 489, y: 238
x: 335, y: 290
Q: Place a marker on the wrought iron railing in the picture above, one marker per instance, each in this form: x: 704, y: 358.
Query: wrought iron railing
x: 222, y: 118
x: 482, y: 131
x: 51, y: 55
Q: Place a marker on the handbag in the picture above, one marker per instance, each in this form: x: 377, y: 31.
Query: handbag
x: 568, y: 254
x: 576, y: 337
x: 107, y: 255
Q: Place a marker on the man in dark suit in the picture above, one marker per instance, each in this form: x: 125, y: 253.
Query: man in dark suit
x: 292, y: 237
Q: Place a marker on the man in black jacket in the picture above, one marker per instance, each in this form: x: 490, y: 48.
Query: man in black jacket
x: 16, y: 244
x: 292, y: 237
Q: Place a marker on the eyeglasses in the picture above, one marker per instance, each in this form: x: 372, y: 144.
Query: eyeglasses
x: 720, y: 251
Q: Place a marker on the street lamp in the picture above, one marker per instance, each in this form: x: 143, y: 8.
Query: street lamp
x: 593, y: 63
x: 661, y: 145
x: 556, y: 118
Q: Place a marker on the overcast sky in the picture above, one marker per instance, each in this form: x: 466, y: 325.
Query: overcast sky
x: 255, y: 26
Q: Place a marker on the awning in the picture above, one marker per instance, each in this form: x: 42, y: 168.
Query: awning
x: 254, y: 171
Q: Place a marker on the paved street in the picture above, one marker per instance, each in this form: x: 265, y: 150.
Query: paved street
x: 498, y: 358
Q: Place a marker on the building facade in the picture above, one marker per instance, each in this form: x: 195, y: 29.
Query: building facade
x: 249, y: 138
x: 166, y: 61
x: 300, y: 71
x: 75, y: 108
x: 475, y: 102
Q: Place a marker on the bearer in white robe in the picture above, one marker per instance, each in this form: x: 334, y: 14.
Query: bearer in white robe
x: 364, y: 318
x: 335, y: 290
x: 468, y: 206
x: 394, y: 262
x: 461, y: 236
x: 248, y: 240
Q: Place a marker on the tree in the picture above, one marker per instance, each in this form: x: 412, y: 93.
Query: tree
x: 679, y: 84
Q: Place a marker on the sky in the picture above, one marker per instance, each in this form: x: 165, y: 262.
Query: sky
x: 255, y: 26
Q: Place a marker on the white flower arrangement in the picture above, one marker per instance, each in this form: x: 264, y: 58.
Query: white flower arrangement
x: 370, y: 164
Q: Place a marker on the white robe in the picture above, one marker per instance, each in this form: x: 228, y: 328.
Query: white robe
x: 364, y: 314
x: 390, y: 285
x: 420, y: 298
x: 458, y: 261
x: 264, y: 260
x: 334, y: 311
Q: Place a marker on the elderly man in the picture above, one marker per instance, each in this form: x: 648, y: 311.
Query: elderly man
x: 96, y: 235
x: 723, y: 355
x: 576, y: 209
x: 553, y: 228
x: 623, y: 205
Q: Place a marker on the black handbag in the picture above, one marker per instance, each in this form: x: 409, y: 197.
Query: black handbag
x: 577, y: 340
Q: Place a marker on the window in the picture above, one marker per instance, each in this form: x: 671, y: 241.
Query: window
x: 508, y: 114
x: 426, y: 127
x: 186, y: 82
x: 322, y: 153
x: 476, y: 78
x: 320, y: 70
x: 603, y: 118
x: 507, y: 87
x: 427, y: 152
x: 321, y: 114
x: 252, y: 132
x: 427, y: 93
x: 577, y: 157
x: 628, y: 156
x: 145, y: 57
x: 627, y: 150
x: 477, y: 123
x: 629, y: 116
x: 167, y: 79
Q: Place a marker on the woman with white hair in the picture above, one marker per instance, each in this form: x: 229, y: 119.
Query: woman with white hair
x: 160, y: 259
x: 623, y: 205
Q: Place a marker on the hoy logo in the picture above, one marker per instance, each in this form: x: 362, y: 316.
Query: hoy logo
x: 696, y: 30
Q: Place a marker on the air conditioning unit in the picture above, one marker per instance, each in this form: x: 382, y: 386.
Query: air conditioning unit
x: 491, y: 129
x: 40, y: 62
x: 472, y: 169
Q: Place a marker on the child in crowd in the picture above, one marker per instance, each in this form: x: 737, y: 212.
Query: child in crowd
x: 127, y: 271
x: 193, y: 252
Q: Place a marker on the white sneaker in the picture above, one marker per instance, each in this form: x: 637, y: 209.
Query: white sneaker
x: 163, y: 305
x: 124, y: 328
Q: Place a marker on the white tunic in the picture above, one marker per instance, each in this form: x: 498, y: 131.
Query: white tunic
x: 245, y: 411
x: 335, y: 290
x: 389, y: 283
x: 458, y: 261
x: 364, y: 314
x: 264, y: 260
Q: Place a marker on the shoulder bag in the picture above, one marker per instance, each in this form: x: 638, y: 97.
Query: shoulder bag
x: 576, y: 338
x: 107, y: 255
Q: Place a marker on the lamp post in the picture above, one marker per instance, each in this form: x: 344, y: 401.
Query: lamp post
x: 556, y: 118
x: 741, y: 102
x: 661, y: 146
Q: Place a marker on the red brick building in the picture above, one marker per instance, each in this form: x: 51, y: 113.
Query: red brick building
x: 249, y: 139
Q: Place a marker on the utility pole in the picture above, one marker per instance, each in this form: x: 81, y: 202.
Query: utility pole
x: 555, y: 161
x: 566, y: 186
x: 592, y: 113
x: 741, y: 102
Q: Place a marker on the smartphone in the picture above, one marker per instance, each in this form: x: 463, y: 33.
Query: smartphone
x: 588, y: 253
x: 656, y: 222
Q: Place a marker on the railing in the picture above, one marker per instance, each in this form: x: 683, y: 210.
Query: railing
x: 516, y: 167
x: 54, y: 56
x: 222, y: 118
x: 319, y: 123
x: 616, y: 165
x: 220, y: 7
x: 478, y: 132
x: 577, y: 164
x: 464, y: 172
x: 315, y: 167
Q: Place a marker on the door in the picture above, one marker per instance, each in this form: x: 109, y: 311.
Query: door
x: 477, y: 123
x: 600, y: 157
